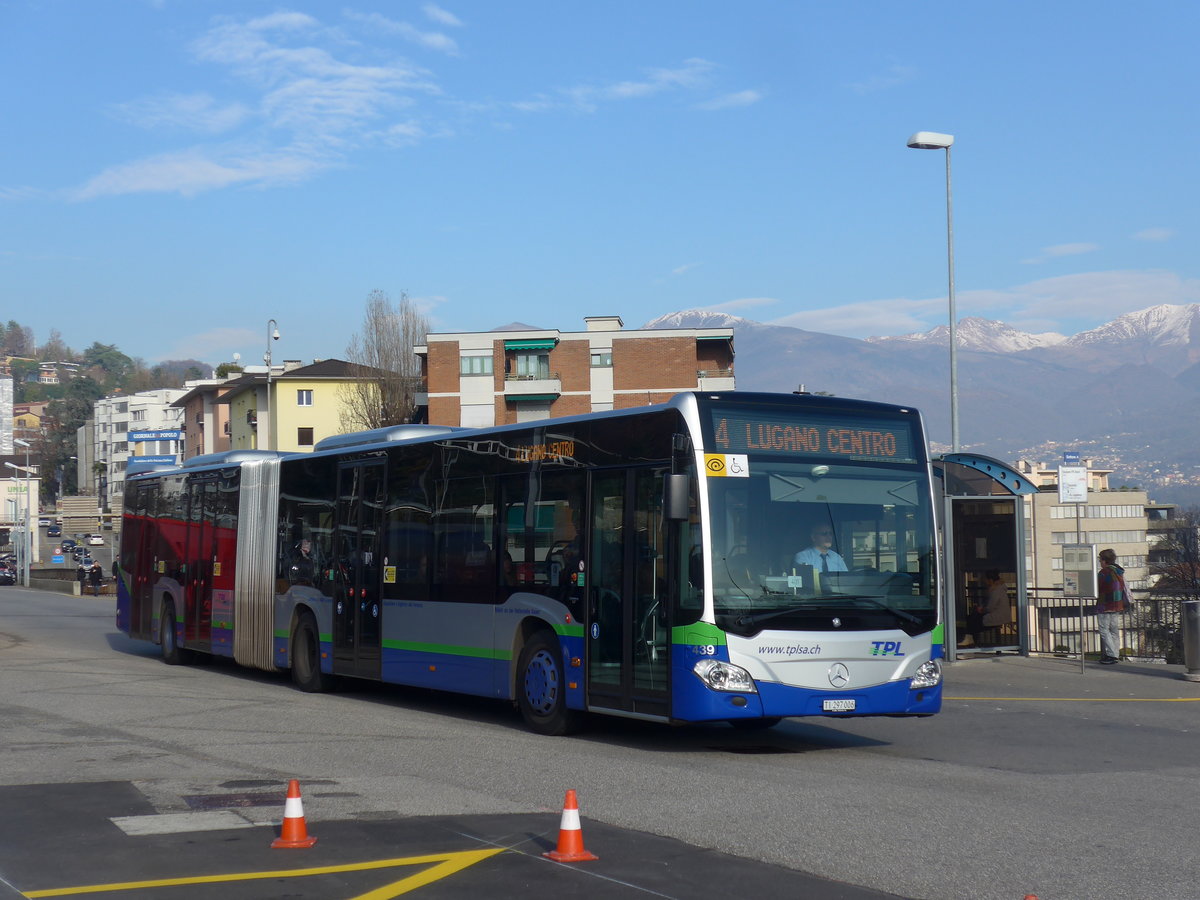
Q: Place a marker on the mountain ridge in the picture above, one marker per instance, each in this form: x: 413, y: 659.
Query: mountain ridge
x: 1119, y: 393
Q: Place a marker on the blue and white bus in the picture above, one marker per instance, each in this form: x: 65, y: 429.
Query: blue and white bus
x: 644, y: 562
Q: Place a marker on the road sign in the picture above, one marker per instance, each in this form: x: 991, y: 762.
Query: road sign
x: 1072, y: 484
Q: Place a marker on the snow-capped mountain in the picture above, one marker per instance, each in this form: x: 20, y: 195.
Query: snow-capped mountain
x: 981, y: 334
x: 1163, y: 325
x: 1126, y: 394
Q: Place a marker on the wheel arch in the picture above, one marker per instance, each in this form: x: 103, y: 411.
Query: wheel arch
x: 525, y: 631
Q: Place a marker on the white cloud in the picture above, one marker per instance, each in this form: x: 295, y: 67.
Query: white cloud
x: 1154, y: 234
x: 893, y: 76
x: 872, y: 317
x: 1066, y: 304
x: 1060, y: 250
x: 195, y: 112
x: 742, y: 303
x: 1061, y: 303
x: 691, y: 75
x: 218, y: 345
x: 191, y: 172
x: 443, y: 17
x: 679, y: 270
x: 432, y: 40
x: 20, y: 193
x: 731, y: 101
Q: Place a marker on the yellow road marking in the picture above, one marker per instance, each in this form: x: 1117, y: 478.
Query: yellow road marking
x: 446, y: 864
x: 1090, y: 699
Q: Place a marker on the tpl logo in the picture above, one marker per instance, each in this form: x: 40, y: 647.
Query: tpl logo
x: 886, y: 648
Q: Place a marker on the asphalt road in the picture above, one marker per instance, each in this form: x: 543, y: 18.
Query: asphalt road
x: 1035, y: 779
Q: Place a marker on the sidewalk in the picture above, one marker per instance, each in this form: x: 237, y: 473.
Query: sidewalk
x: 1051, y: 677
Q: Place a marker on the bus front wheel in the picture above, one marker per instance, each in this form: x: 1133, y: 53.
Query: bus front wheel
x: 306, y: 658
x: 541, y: 688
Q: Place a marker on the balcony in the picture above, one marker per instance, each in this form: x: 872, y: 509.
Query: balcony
x: 532, y: 387
x: 714, y: 379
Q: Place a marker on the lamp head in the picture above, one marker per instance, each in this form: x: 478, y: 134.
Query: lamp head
x: 275, y: 336
x: 930, y: 140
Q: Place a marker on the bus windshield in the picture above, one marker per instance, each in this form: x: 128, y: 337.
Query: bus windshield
x: 797, y: 545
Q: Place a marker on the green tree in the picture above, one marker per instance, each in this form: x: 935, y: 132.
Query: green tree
x: 114, y: 365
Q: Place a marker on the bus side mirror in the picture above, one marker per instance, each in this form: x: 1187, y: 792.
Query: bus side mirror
x: 675, y: 497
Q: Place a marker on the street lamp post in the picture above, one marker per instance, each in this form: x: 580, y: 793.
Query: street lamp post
x: 272, y: 334
x: 932, y: 140
x: 24, y: 546
x: 28, y: 509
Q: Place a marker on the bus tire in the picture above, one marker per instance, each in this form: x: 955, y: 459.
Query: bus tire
x: 306, y: 657
x: 541, y: 687
x: 172, y: 653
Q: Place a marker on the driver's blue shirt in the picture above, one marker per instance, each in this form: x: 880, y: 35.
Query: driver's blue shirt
x: 812, y: 557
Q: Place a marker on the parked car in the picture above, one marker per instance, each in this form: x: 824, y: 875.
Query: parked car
x: 95, y: 540
x: 54, y: 531
x: 8, y: 576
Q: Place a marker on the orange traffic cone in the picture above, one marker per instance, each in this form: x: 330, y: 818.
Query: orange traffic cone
x: 294, y: 832
x: 570, y: 835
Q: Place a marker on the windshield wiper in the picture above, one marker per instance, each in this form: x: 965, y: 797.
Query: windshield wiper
x: 774, y: 614
x: 759, y: 618
x: 898, y: 613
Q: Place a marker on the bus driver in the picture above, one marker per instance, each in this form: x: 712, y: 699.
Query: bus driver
x: 821, y: 555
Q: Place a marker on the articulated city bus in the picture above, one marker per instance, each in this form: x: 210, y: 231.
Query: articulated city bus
x: 659, y: 563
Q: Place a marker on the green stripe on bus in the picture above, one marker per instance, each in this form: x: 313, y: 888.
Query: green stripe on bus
x: 939, y: 634
x: 448, y: 650
x: 699, y: 634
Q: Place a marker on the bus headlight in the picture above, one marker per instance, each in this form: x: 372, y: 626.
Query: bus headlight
x: 722, y: 676
x: 928, y: 675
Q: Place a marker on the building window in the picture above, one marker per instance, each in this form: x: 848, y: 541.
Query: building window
x: 533, y: 365
x: 601, y: 359
x: 304, y: 436
x: 475, y: 365
x: 304, y: 398
x: 139, y: 415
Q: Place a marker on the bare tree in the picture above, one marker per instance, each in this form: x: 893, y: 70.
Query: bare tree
x: 1175, y: 572
x: 387, y: 371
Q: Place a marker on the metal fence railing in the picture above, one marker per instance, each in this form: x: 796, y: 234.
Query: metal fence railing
x: 1151, y: 631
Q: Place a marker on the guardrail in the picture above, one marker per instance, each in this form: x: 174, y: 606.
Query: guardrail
x: 1151, y: 630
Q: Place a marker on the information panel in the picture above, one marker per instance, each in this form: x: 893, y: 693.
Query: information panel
x: 814, y: 433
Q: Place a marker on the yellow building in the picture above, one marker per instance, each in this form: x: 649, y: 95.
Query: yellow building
x: 292, y: 408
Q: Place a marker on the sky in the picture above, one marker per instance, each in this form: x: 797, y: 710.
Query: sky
x: 174, y: 175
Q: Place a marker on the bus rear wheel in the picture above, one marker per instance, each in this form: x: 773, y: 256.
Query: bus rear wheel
x: 541, y: 688
x: 172, y: 653
x: 306, y: 658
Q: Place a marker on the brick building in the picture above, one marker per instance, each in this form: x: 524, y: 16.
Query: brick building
x: 487, y: 378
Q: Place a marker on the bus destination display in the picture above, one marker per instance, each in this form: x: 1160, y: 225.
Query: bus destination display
x: 767, y: 431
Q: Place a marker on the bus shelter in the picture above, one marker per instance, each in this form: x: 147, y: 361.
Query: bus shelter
x: 983, y: 536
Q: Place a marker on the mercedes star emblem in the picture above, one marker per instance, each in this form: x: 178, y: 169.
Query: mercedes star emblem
x: 839, y: 675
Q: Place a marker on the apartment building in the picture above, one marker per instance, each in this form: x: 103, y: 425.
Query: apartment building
x: 205, y: 420
x: 292, y: 408
x: 478, y: 379
x: 123, y: 427
x: 1125, y: 520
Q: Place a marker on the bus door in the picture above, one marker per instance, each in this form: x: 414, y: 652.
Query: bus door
x: 357, y: 605
x: 628, y: 610
x: 198, y: 554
